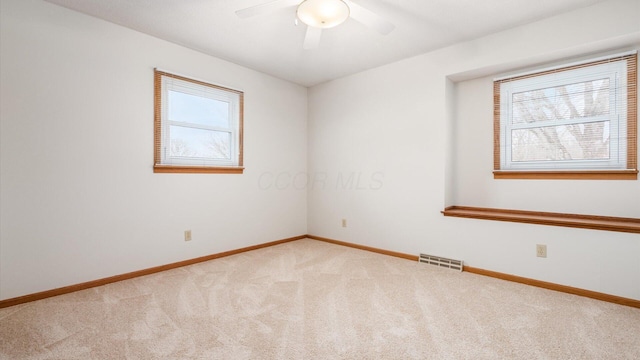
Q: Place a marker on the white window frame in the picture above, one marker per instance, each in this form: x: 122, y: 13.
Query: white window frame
x: 164, y: 161
x: 617, y: 75
x: 622, y: 68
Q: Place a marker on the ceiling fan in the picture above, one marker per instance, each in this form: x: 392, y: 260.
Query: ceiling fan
x: 322, y: 14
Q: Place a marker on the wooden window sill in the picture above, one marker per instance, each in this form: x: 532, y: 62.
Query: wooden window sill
x: 629, y: 225
x: 568, y: 175
x: 197, y: 169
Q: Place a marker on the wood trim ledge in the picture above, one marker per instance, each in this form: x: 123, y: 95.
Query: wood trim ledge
x: 167, y: 169
x: 594, y: 222
x: 134, y: 274
x: 630, y: 174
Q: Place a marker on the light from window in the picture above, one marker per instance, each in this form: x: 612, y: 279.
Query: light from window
x: 198, y: 126
x: 578, y: 119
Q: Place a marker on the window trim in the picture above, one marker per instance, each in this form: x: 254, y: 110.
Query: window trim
x: 158, y: 166
x: 631, y: 171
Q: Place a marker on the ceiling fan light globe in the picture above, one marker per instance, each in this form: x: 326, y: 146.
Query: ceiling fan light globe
x: 323, y: 14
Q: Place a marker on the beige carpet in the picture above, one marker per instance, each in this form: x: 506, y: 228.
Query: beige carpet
x: 312, y: 300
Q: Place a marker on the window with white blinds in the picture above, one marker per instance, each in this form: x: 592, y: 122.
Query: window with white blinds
x: 198, y: 126
x: 576, y: 119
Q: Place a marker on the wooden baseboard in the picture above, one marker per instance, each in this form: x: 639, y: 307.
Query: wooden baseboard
x: 86, y: 285
x: 537, y: 283
x: 561, y: 288
x: 134, y: 274
x: 367, y: 248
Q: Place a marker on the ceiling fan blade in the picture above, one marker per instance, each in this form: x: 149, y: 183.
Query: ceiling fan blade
x: 312, y: 38
x: 265, y: 8
x: 369, y: 18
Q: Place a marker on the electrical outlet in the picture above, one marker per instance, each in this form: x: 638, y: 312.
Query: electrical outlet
x: 541, y: 250
x: 344, y: 222
x: 187, y: 235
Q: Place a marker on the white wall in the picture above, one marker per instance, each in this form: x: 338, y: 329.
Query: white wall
x: 79, y: 199
x: 424, y: 125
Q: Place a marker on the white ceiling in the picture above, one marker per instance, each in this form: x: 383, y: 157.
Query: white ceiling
x: 273, y: 43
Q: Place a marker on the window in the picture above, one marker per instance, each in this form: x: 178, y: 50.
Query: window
x: 198, y: 126
x: 576, y: 121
